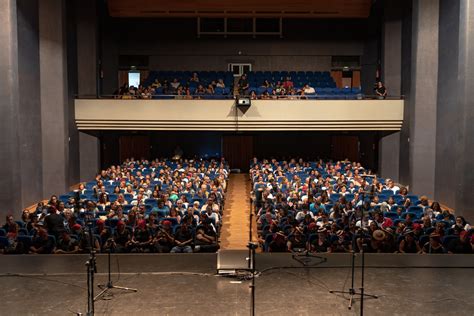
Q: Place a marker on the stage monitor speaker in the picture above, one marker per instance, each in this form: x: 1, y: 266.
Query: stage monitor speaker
x: 230, y: 261
x: 243, y: 104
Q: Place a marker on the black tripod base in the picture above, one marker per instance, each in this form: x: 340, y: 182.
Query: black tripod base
x: 108, y: 286
x: 353, y: 293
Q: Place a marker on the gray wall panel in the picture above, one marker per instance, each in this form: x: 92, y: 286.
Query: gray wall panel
x: 389, y: 146
x: 455, y: 133
x: 10, y: 179
x: 449, y: 107
x: 30, y: 103
x: 423, y: 106
x: 404, y: 164
x: 54, y: 115
x: 89, y: 156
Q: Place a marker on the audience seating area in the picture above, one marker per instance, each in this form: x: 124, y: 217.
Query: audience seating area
x: 325, y: 206
x: 220, y: 85
x: 183, y: 85
x: 267, y: 84
x: 140, y: 206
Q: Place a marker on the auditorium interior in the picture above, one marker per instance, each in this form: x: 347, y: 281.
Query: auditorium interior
x: 236, y: 157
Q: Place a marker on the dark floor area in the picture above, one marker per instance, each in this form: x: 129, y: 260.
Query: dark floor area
x: 402, y: 291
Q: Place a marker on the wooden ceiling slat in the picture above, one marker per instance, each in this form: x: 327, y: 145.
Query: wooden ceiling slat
x: 284, y: 8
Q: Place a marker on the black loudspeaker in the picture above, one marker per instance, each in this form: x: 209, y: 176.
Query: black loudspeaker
x: 243, y: 104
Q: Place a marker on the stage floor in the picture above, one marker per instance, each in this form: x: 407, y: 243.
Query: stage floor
x: 401, y: 291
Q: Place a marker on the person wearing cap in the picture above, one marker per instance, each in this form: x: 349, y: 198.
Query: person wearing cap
x: 141, y: 240
x: 342, y: 241
x: 278, y: 243
x: 376, y: 243
x: 297, y: 240
x: 461, y: 244
x: 41, y: 243
x: 119, y: 242
x: 433, y: 246
x: 408, y: 243
x: 321, y: 243
x: 103, y: 231
x: 164, y: 240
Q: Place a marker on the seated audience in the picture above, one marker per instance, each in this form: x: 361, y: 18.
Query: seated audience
x: 338, y: 206
x: 182, y: 239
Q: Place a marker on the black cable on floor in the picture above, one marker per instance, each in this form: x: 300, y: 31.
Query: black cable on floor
x: 40, y: 278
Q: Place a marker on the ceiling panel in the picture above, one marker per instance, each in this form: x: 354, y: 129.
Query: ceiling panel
x: 241, y: 8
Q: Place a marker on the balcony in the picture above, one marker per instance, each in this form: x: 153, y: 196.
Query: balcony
x: 223, y: 115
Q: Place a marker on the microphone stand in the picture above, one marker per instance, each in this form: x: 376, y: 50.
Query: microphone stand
x: 109, y: 285
x: 91, y: 270
x: 251, y: 261
x: 352, y: 292
x: 252, y: 246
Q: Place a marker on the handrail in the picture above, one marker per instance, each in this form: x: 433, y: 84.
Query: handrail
x: 228, y: 97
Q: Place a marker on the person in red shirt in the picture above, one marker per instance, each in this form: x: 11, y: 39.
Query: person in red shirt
x: 288, y: 84
x: 382, y: 222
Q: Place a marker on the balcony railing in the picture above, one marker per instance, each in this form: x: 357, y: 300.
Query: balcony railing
x: 224, y: 115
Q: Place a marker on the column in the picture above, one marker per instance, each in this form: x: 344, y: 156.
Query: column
x: 29, y: 103
x: 10, y: 179
x: 422, y: 102
x: 54, y: 96
x: 389, y: 145
x: 87, y: 81
x: 454, y: 185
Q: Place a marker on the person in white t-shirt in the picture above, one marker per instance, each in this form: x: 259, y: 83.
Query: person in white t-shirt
x: 390, y: 185
x: 308, y: 90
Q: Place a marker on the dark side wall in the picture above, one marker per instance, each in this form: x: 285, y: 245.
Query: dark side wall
x: 279, y: 145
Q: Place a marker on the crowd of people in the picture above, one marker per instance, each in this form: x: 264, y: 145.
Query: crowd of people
x: 191, y: 88
x: 139, y: 206
x: 274, y: 90
x: 286, y: 88
x: 326, y: 206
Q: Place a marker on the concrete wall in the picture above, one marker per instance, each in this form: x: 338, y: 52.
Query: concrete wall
x: 54, y: 115
x: 172, y: 44
x: 450, y: 110
x: 86, y: 39
x: 10, y: 177
x: 89, y: 156
x: 30, y: 104
x: 455, y: 133
x: 389, y: 146
x: 423, y: 96
x: 404, y: 162
x: 85, y: 45
x: 39, y: 143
